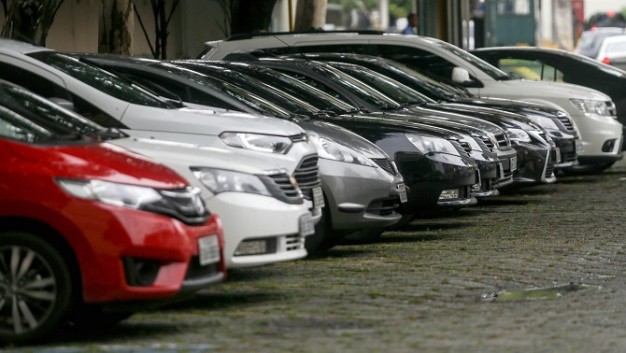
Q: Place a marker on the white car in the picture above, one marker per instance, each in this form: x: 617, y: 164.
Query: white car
x: 593, y: 112
x: 268, y: 144
x: 612, y: 47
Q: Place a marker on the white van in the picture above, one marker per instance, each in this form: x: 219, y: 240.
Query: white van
x: 593, y: 112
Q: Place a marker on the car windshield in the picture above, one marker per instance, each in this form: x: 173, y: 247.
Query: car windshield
x: 388, y: 86
x: 100, y: 79
x: 30, y: 118
x: 261, y: 105
x: 308, y: 93
x: 435, y: 88
x: 258, y: 87
x: 484, y: 66
x: 357, y: 87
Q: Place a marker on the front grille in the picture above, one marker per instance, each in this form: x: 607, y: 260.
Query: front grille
x: 293, y: 242
x: 385, y: 207
x: 197, y: 271
x: 185, y: 205
x: 386, y: 164
x: 307, y: 175
x: 459, y: 148
x: 568, y: 157
x: 487, y: 142
x: 502, y: 140
x: 567, y: 123
x: 466, y: 146
x: 299, y: 138
x: 282, y: 188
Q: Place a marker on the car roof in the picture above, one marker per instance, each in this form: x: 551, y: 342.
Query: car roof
x: 20, y: 47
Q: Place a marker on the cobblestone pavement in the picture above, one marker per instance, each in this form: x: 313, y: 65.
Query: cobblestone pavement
x: 462, y: 282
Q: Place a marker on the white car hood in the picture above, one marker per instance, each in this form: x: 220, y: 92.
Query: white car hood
x: 516, y: 89
x: 204, y: 122
x: 178, y: 155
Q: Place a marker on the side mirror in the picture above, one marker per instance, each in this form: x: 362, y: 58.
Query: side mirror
x: 64, y: 103
x: 460, y: 75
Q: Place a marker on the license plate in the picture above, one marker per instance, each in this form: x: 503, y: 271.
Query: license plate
x: 307, y: 227
x: 558, y: 155
x: 209, y: 250
x: 513, y: 163
x: 402, y: 192
x: 318, y: 197
x: 579, y: 146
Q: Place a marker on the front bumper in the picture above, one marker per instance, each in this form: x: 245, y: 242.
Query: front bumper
x: 601, y: 138
x: 118, y: 240
x: 535, y: 163
x: 360, y: 196
x: 270, y: 228
x: 428, y: 176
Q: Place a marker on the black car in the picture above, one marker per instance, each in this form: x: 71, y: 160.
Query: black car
x: 557, y: 124
x: 563, y: 66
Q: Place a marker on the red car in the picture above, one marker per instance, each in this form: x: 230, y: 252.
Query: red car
x: 92, y: 233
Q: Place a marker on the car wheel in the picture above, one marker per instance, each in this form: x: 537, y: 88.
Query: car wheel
x: 35, y: 288
x: 319, y: 241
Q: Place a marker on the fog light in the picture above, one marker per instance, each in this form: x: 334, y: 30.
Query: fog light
x: 256, y: 247
x: 608, y: 145
x: 449, y: 194
x: 140, y: 272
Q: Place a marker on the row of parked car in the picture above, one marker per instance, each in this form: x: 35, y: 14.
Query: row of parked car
x: 153, y: 178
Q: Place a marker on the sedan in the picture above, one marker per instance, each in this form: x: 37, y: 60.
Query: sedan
x: 91, y: 232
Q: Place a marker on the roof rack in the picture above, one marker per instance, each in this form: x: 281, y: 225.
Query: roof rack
x: 241, y: 36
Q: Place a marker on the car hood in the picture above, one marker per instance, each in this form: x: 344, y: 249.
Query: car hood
x: 184, y: 155
x: 204, y: 122
x: 102, y: 161
x: 344, y: 137
x: 507, y: 104
x: 469, y: 117
x: 389, y: 122
x: 513, y: 89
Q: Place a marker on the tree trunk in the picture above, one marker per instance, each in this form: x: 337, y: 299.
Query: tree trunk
x: 29, y: 20
x: 310, y: 14
x: 115, y: 27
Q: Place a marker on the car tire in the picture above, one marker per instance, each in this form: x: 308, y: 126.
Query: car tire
x: 36, y: 288
x: 323, y: 239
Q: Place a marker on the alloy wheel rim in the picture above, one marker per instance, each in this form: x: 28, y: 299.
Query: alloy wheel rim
x: 28, y: 290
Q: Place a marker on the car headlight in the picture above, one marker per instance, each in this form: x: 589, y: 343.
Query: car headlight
x: 427, y: 144
x: 257, y: 142
x: 131, y: 196
x: 183, y: 204
x: 543, y: 121
x: 517, y: 135
x: 589, y: 106
x: 220, y: 180
x: 329, y: 149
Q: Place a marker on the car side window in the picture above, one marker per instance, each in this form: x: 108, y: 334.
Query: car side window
x: 48, y: 89
x: 530, y: 69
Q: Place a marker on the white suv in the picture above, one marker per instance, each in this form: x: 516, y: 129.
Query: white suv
x: 593, y: 112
